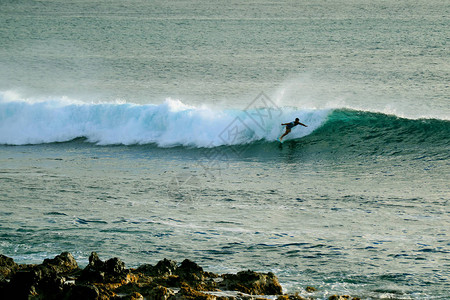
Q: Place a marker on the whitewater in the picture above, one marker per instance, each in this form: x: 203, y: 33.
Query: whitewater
x: 169, y: 124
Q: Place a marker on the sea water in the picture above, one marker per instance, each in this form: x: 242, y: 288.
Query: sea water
x: 148, y: 130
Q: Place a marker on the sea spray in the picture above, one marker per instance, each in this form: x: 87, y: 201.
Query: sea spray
x: 171, y: 123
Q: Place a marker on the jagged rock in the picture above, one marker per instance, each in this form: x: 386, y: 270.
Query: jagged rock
x: 164, y: 267
x: 310, y: 289
x: 43, y: 281
x: 168, y: 273
x: 191, y: 273
x: 169, y: 281
x: 159, y: 293
x: 46, y: 280
x: 39, y: 280
x: 63, y: 263
x: 291, y: 297
x: 252, y: 283
x: 149, y: 290
x: 7, y: 266
x: 110, y: 280
x: 188, y: 266
x: 189, y: 270
x: 114, y: 266
x: 113, y: 270
x: 95, y: 262
x: 187, y: 293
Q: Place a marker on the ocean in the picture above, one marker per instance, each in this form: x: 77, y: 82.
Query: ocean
x: 148, y: 129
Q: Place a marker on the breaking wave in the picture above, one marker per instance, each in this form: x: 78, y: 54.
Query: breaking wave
x: 174, y: 123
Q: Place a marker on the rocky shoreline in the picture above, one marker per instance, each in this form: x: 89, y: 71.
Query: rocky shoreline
x: 62, y: 278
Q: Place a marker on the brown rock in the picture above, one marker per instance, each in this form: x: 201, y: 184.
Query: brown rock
x: 164, y: 267
x: 189, y: 267
x: 291, y: 297
x: 252, y: 283
x: 113, y: 270
x: 194, y: 275
x: 187, y: 293
x: 114, y: 266
x: 63, y: 263
x: 343, y: 297
x: 148, y: 290
x: 168, y: 281
x: 159, y: 293
x: 7, y: 266
x: 168, y: 273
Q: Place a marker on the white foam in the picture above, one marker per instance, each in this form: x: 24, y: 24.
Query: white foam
x: 172, y: 123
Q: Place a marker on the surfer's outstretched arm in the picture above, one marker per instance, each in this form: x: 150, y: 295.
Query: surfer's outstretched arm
x: 303, y: 124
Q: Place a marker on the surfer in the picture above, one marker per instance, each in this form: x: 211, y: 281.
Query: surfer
x: 289, y: 126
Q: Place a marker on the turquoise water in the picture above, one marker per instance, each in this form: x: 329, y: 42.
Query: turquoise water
x: 146, y: 130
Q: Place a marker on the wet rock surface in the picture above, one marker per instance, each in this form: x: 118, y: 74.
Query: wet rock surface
x: 61, y: 278
x: 252, y: 283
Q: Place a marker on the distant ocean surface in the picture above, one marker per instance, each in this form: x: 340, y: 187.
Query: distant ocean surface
x: 148, y: 130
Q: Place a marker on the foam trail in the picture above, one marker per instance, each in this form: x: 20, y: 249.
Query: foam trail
x: 171, y: 123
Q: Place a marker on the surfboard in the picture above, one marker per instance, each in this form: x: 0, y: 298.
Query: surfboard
x: 281, y: 141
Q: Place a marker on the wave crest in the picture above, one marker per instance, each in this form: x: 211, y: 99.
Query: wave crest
x: 171, y: 123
